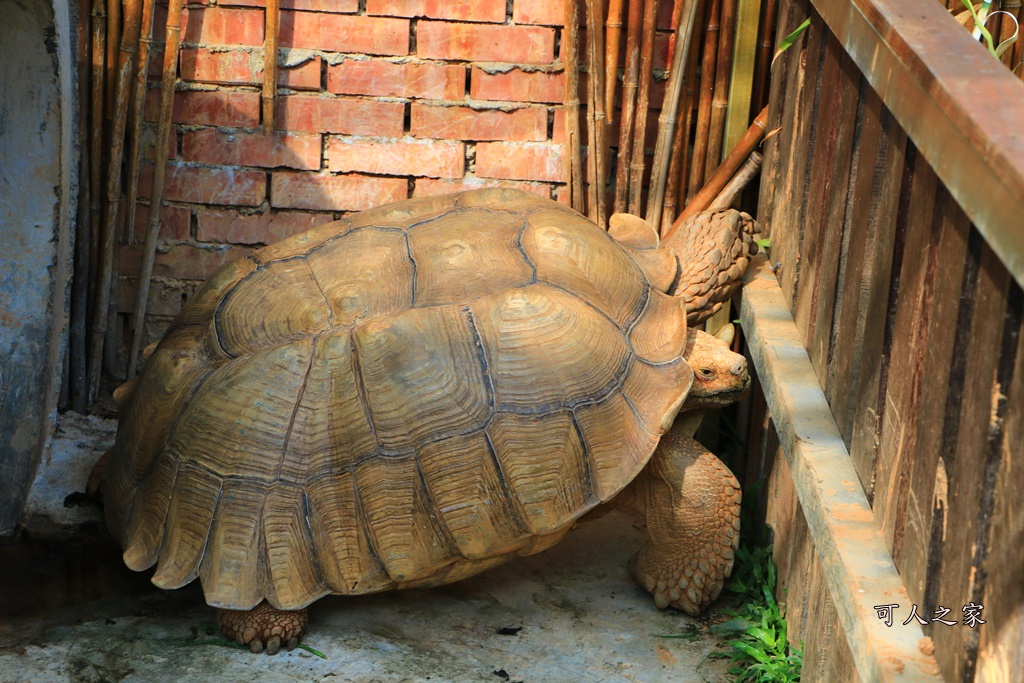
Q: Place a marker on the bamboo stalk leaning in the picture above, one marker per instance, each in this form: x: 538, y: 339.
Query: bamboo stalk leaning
x: 725, y: 171
x: 628, y: 109
x: 125, y: 62
x: 138, y: 115
x: 272, y: 20
x: 707, y: 90
x: 163, y: 136
x: 669, y: 110
x: 597, y: 150
x: 636, y: 165
x: 729, y: 194
x: 720, y: 101
x: 99, y: 39
x: 573, y: 158
x: 679, y: 166
x: 613, y: 37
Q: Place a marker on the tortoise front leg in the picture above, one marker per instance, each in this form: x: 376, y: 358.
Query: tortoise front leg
x: 691, y: 502
x: 263, y: 626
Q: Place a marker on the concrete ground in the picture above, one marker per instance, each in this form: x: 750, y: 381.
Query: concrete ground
x: 71, y: 611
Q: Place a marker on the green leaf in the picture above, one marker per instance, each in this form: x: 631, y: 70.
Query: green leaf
x: 788, y: 41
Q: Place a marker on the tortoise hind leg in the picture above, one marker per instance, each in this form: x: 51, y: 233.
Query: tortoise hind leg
x: 263, y: 626
x: 691, y: 502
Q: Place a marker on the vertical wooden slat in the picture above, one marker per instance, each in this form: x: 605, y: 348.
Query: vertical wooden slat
x: 822, y: 163
x: 833, y: 210
x: 874, y: 293
x: 1000, y: 655
x: 900, y: 393
x: 789, y: 196
x: 929, y: 483
x: 954, y: 580
x: 848, y: 329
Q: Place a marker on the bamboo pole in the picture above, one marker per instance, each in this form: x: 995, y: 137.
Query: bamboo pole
x: 707, y: 89
x: 113, y: 42
x: 725, y: 171
x: 596, y: 149
x: 613, y: 35
x: 636, y: 166
x: 163, y: 136
x: 99, y: 39
x: 138, y: 115
x: 720, y: 102
x: 729, y: 194
x: 125, y: 62
x: 679, y: 166
x: 741, y: 80
x: 573, y: 156
x: 272, y: 19
x: 78, y: 329
x: 765, y: 48
x: 629, y: 81
x: 669, y: 110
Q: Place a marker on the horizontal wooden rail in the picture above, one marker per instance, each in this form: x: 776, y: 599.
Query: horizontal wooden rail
x: 848, y: 539
x: 961, y: 107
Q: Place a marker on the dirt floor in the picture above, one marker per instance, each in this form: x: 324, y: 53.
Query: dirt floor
x: 71, y: 611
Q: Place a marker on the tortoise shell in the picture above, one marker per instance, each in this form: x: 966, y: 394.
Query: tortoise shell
x: 400, y: 398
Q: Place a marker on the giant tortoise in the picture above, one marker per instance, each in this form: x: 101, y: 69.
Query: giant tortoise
x: 418, y: 392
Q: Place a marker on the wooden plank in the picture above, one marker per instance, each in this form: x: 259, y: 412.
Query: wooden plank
x: 848, y: 330
x: 857, y: 566
x: 874, y: 299
x: 780, y: 132
x: 963, y: 113
x: 928, y: 482
x: 834, y: 212
x: 827, y: 656
x: 905, y: 346
x: 956, y: 577
x: 787, y: 226
x: 1000, y: 655
x: 822, y: 161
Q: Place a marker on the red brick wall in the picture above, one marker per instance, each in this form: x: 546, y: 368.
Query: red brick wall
x: 379, y: 100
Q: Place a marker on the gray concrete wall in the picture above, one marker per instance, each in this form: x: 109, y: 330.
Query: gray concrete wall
x: 36, y: 192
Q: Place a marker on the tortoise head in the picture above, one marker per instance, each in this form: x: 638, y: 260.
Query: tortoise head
x: 720, y: 375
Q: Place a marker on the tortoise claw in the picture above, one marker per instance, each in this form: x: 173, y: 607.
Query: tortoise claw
x: 263, y: 627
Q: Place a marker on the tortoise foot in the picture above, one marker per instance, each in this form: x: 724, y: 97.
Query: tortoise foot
x: 689, y: 588
x: 264, y: 627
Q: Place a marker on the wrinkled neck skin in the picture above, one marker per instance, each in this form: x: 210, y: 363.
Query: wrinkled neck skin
x: 720, y: 376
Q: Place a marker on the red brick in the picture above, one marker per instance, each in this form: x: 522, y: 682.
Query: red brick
x: 349, y: 116
x: 388, y: 79
x: 192, y: 262
x: 305, y: 76
x: 180, y: 261
x: 460, y: 10
x: 328, y: 192
x: 209, y: 108
x: 335, y: 6
x: 148, y: 142
x: 199, y: 185
x: 428, y: 187
x: 345, y: 33
x: 216, y: 225
x: 232, y: 67
x: 397, y: 157
x: 217, y: 26
x: 520, y: 161
x: 517, y: 86
x: 292, y: 150
x: 549, y: 12
x: 484, y: 43
x: 174, y: 222
x: 465, y: 123
x: 164, y: 297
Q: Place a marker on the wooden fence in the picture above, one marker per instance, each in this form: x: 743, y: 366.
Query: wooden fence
x: 893, y: 192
